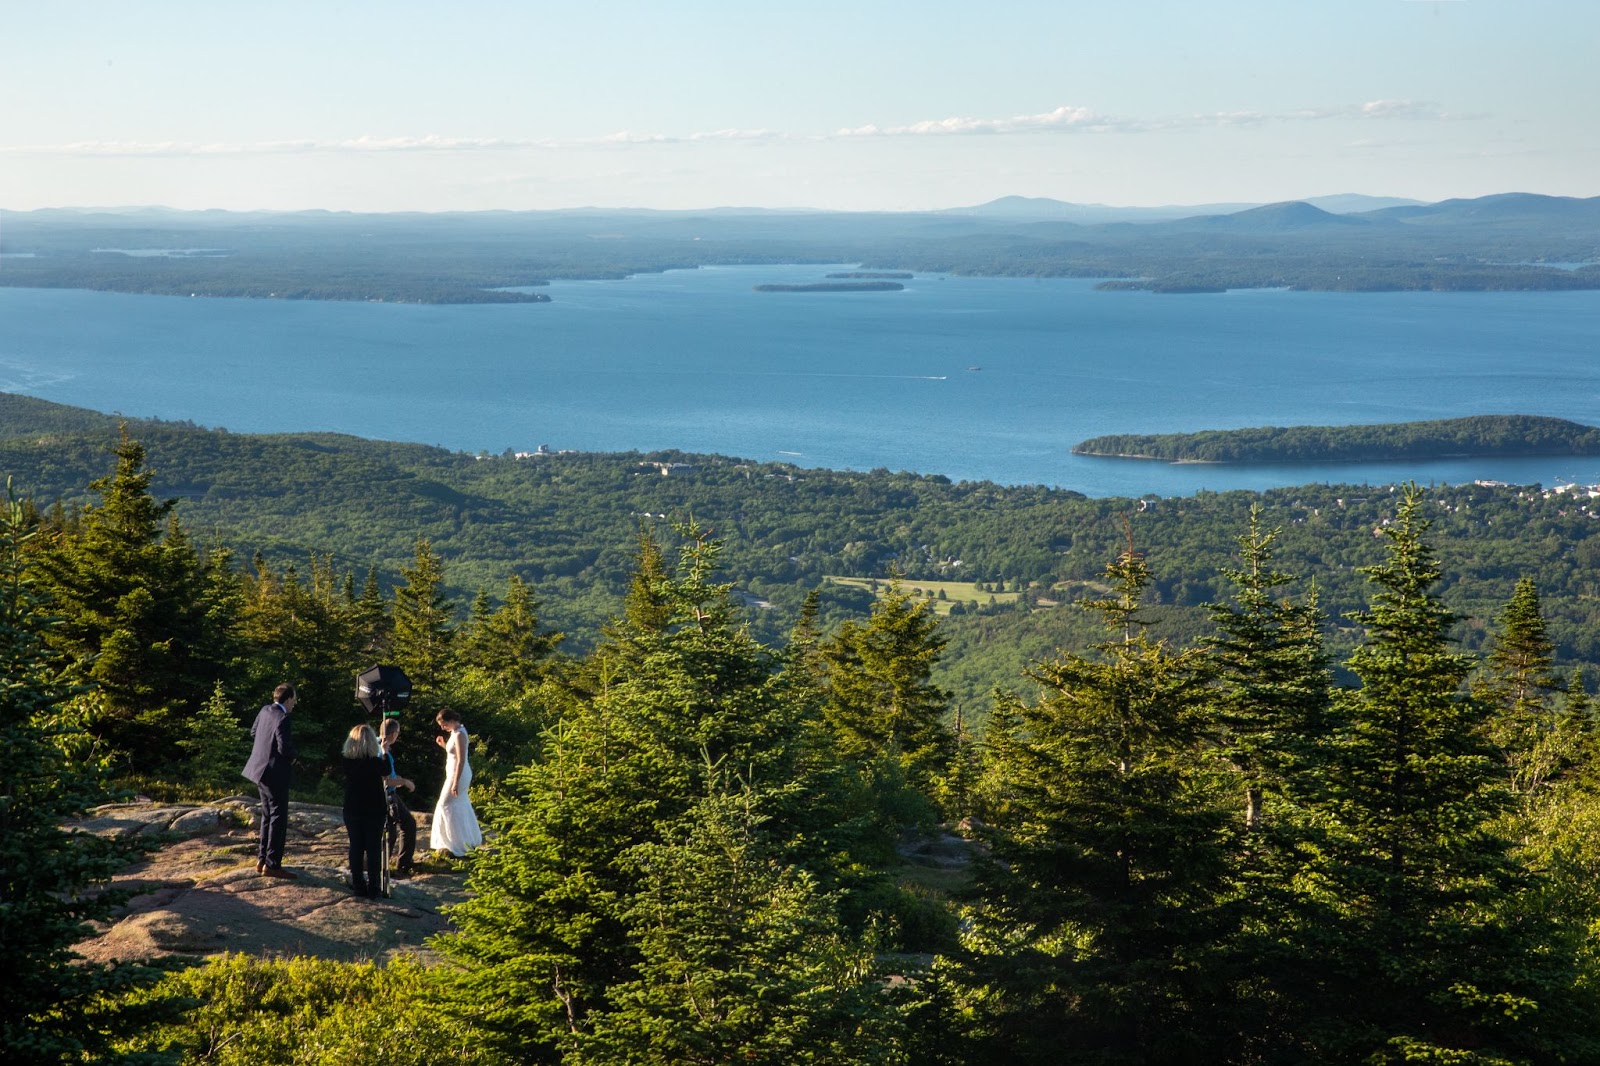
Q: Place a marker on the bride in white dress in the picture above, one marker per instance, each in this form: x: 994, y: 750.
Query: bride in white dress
x: 455, y: 824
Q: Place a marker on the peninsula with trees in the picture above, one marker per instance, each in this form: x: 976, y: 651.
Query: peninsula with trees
x: 1497, y: 436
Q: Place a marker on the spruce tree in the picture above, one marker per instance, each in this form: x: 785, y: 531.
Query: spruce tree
x: 881, y: 697
x: 1519, y: 683
x: 558, y: 940
x: 305, y: 631
x: 423, y: 632
x: 1272, y: 675
x: 1273, y: 697
x: 372, y: 620
x: 1098, y: 918
x: 217, y: 745
x: 132, y: 597
x: 1577, y: 718
x: 646, y: 608
x: 506, y: 677
x: 742, y: 957
x: 508, y: 643
x: 50, y: 876
x: 1429, y: 959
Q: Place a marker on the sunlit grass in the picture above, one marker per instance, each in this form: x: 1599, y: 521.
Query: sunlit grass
x: 963, y: 592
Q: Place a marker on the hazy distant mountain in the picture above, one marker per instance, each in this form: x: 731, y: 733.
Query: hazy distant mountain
x: 1512, y: 241
x: 1352, y: 203
x: 1044, y: 209
x: 1517, y: 208
x: 1278, y: 218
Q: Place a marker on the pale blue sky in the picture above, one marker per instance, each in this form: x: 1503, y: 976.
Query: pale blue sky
x: 869, y: 104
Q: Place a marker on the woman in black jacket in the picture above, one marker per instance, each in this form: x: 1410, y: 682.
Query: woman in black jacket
x: 365, y: 806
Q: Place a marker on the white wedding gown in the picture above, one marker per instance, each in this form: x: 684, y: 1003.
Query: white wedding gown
x: 455, y: 824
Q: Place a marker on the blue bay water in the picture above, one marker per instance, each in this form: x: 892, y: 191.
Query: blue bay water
x: 975, y: 378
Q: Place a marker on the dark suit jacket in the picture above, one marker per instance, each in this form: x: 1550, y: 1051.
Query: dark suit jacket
x: 272, y: 754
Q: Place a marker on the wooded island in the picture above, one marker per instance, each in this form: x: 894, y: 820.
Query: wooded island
x: 835, y: 286
x: 1501, y: 436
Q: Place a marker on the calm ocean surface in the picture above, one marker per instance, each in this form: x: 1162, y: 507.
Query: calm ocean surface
x: 976, y: 378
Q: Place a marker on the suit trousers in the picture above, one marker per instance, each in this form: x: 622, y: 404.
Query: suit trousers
x: 274, y: 821
x: 366, y: 851
x: 408, y: 830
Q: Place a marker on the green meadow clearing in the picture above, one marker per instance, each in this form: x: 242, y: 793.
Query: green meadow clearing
x: 946, y: 594
x: 953, y: 592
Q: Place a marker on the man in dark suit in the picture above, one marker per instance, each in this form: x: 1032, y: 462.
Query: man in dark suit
x: 271, y: 760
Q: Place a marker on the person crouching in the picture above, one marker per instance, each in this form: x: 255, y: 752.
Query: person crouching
x: 366, y: 804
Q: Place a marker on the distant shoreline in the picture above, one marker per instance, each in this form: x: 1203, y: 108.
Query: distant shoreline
x: 1503, y: 242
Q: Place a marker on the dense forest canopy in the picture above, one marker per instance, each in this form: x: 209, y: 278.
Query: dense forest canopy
x: 1512, y: 241
x: 1481, y: 435
x: 706, y: 847
x: 566, y: 524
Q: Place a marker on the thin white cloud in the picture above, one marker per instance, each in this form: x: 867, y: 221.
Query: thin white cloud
x: 737, y: 135
x: 357, y: 145
x: 633, y: 137
x: 1083, y: 119
x: 1416, y: 110
x: 1064, y: 119
x: 1060, y: 118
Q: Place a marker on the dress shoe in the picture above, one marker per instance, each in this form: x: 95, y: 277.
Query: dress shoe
x: 278, y: 871
x: 261, y: 867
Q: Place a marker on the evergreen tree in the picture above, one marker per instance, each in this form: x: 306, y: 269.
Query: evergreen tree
x: 1273, y: 695
x: 1428, y: 959
x: 506, y: 678
x: 881, y: 696
x: 554, y: 940
x: 50, y: 877
x: 803, y: 654
x: 372, y: 620
x: 132, y: 597
x: 1518, y: 681
x: 647, y: 607
x: 1097, y: 921
x: 1272, y: 674
x: 509, y: 643
x: 959, y: 783
x: 304, y: 631
x: 741, y: 956
x: 217, y: 745
x: 473, y: 629
x: 424, y: 621
x: 1577, y: 719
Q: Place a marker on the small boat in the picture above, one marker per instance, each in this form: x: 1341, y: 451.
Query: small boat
x: 974, y: 369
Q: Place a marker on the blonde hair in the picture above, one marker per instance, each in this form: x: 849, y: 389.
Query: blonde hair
x: 362, y: 743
